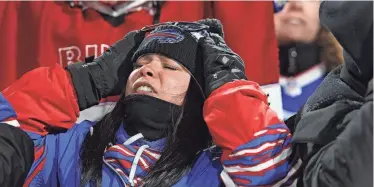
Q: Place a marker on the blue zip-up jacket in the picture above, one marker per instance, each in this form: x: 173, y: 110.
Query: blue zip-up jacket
x: 255, y: 144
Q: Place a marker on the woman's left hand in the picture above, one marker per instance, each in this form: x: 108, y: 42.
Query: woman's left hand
x: 221, y: 64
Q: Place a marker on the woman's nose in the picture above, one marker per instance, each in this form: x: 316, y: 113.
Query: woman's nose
x: 147, y: 71
x: 150, y: 69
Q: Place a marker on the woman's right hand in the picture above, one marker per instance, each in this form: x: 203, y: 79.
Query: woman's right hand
x: 107, y: 74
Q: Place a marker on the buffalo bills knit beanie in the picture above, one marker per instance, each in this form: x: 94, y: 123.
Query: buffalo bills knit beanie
x: 172, y: 42
x: 180, y: 43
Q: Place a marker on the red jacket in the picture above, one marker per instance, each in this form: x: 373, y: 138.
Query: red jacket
x: 35, y: 34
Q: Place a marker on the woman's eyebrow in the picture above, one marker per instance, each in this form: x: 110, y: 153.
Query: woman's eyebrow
x: 170, y: 61
x: 144, y: 59
x: 147, y: 58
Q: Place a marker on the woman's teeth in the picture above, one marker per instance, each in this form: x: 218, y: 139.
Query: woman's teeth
x: 144, y: 88
x: 294, y: 21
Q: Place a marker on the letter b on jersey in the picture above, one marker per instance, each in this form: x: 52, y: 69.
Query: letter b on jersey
x: 69, y: 55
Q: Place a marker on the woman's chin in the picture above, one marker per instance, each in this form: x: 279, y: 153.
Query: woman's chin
x: 152, y: 94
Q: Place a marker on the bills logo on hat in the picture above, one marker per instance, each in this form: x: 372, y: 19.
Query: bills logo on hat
x: 165, y: 36
x: 170, y: 41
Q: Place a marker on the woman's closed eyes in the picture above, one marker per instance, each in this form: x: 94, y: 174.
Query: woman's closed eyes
x: 165, y: 66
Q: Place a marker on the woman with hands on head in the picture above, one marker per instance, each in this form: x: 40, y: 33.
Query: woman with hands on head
x: 187, y: 116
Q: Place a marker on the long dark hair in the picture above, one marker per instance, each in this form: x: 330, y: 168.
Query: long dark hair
x: 185, y: 140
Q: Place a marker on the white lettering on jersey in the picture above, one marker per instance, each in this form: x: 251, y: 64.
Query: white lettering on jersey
x: 91, y: 50
x: 104, y: 47
x: 72, y: 54
x: 69, y: 55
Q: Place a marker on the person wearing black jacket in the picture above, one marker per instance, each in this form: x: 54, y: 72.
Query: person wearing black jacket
x: 16, y: 155
x: 333, y: 132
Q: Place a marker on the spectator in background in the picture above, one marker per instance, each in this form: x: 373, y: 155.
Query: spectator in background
x: 307, y: 51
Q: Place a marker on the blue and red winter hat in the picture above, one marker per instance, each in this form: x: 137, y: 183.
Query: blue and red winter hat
x: 179, y: 41
x: 175, y: 40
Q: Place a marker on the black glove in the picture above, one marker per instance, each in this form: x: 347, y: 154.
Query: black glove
x: 221, y: 64
x: 106, y: 75
x: 215, y: 26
